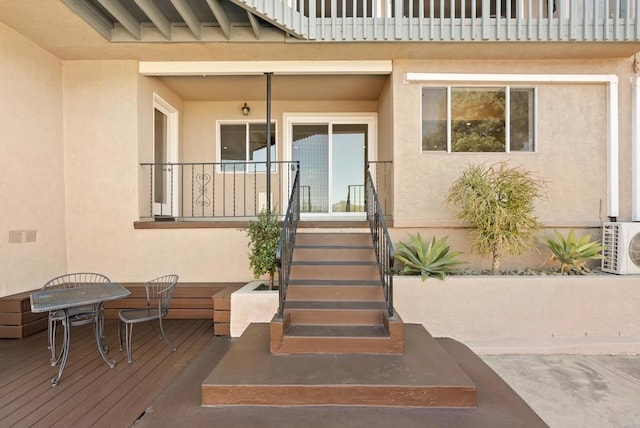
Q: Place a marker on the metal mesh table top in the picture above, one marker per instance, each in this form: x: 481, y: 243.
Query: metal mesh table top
x: 61, y: 298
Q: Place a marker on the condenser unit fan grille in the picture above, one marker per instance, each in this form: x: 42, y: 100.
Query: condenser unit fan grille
x: 634, y: 249
x: 610, y: 236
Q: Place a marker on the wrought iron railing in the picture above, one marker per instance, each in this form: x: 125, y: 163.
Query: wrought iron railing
x: 382, y: 244
x: 284, y: 253
x: 210, y: 191
x: 305, y: 198
x: 382, y: 175
x: 355, y: 198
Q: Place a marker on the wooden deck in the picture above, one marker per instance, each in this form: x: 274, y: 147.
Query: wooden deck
x: 90, y: 393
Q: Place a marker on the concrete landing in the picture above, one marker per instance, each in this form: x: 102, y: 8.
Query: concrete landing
x: 497, y: 406
x: 424, y: 376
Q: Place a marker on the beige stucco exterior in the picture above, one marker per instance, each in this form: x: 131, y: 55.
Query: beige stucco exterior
x: 571, y: 136
x: 77, y: 124
x: 554, y: 314
x: 31, y: 160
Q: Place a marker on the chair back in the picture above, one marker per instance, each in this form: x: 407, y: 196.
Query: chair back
x: 160, y: 291
x: 75, y: 280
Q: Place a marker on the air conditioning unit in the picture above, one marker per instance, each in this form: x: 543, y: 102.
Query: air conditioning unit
x: 621, y: 253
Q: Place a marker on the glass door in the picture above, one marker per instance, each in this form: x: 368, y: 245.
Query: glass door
x: 310, y: 147
x: 165, y: 189
x: 349, y: 148
x: 161, y: 173
x: 332, y: 160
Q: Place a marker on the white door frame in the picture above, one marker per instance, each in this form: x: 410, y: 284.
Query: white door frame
x: 172, y: 185
x: 289, y: 119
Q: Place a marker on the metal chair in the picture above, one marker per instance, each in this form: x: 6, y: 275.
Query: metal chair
x: 80, y: 315
x: 159, y: 293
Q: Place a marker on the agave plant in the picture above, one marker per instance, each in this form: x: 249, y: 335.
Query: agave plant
x: 572, y: 253
x: 432, y: 259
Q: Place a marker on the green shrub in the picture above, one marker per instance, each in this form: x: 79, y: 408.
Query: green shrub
x: 419, y: 258
x: 264, y: 235
x: 572, y: 253
x: 497, y: 202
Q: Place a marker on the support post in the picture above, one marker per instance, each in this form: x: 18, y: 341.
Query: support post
x: 269, y: 74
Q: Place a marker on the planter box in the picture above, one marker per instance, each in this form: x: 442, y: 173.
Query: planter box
x: 249, y: 305
x: 594, y: 314
x: 513, y: 314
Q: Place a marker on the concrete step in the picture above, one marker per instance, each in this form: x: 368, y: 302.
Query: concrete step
x: 291, y: 337
x: 334, y: 253
x: 335, y: 291
x: 304, y: 339
x: 424, y: 376
x: 336, y: 312
x: 329, y: 239
x: 334, y: 270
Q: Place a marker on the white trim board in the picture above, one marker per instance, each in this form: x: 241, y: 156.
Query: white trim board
x: 611, y: 82
x: 221, y: 68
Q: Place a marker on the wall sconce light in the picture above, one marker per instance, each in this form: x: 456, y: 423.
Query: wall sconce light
x: 245, y: 109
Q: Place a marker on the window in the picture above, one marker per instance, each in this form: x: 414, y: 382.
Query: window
x: 468, y: 119
x: 243, y: 146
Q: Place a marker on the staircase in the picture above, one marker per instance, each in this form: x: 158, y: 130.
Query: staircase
x: 335, y: 301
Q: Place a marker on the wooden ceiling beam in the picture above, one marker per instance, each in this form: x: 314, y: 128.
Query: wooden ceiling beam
x: 189, y: 16
x: 255, y: 24
x: 156, y: 16
x: 120, y: 13
x: 221, y: 17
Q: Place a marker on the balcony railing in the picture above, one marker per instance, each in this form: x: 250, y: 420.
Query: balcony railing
x: 382, y: 175
x: 385, y: 254
x: 207, y: 191
x: 454, y: 20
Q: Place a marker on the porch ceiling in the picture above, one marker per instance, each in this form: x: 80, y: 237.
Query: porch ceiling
x: 290, y: 88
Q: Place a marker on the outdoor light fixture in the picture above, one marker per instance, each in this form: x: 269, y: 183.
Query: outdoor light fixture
x: 245, y: 109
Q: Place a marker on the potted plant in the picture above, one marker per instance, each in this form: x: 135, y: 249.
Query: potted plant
x: 497, y: 201
x: 264, y: 234
x: 257, y: 301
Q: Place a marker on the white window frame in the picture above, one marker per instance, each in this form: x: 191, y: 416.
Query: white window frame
x: 507, y: 115
x: 221, y: 123
x: 291, y: 119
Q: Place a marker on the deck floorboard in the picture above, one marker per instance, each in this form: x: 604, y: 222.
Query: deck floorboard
x: 90, y: 393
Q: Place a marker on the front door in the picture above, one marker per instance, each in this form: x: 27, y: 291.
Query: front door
x: 332, y: 156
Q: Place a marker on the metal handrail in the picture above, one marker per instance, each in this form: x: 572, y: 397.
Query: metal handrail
x: 385, y: 254
x: 284, y: 253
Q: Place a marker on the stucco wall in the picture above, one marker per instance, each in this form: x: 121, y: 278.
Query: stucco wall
x: 506, y: 314
x: 32, y: 184
x: 571, y: 148
x: 103, y: 101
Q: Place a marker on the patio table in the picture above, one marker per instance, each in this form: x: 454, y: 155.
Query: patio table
x: 66, y: 298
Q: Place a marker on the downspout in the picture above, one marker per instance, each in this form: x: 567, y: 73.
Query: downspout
x: 613, y: 152
x: 635, y: 155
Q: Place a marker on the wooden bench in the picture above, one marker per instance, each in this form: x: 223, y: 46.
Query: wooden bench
x: 190, y: 300
x: 16, y: 319
x: 205, y: 301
